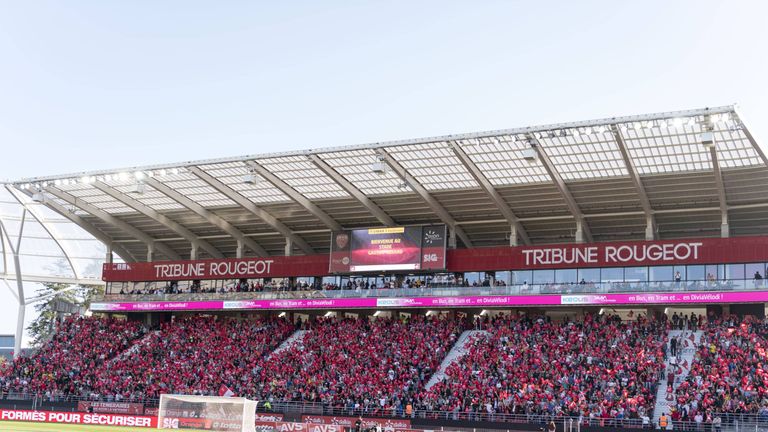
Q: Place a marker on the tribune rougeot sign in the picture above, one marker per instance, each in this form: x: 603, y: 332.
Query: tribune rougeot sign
x: 423, y: 249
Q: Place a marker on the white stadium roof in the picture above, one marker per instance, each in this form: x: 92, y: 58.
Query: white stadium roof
x: 636, y: 177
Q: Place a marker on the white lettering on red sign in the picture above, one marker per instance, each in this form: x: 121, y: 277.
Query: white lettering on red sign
x: 613, y: 254
x: 240, y: 268
x: 227, y: 269
x: 191, y: 270
x: 76, y: 418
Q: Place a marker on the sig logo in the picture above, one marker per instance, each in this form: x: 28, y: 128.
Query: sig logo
x: 429, y: 258
x: 170, y: 423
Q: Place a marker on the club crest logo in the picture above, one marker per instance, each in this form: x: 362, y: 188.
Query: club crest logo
x: 342, y: 240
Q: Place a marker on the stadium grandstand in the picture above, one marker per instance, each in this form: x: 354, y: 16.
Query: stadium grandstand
x: 595, y: 274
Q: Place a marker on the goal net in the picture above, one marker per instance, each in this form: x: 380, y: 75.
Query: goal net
x: 206, y: 412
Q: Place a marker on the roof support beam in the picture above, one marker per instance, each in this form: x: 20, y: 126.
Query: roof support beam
x: 114, y: 221
x: 436, y: 207
x: 253, y: 208
x: 52, y: 279
x: 517, y: 230
x: 296, y: 196
x: 583, y: 233
x: 90, y: 229
x: 35, y: 214
x: 209, y: 216
x: 345, y: 184
x: 645, y: 203
x: 739, y: 119
x: 724, y: 227
x: 160, y: 218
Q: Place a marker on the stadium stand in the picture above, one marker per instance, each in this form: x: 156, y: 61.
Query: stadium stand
x: 195, y: 355
x: 371, y: 366
x: 71, y: 359
x: 597, y: 368
x: 728, y: 374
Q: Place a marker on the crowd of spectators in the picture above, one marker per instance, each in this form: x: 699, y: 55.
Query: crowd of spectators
x: 597, y: 368
x: 77, y: 351
x: 375, y: 367
x: 729, y: 373
x: 194, y: 355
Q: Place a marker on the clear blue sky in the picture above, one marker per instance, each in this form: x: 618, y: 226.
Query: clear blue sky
x: 88, y: 85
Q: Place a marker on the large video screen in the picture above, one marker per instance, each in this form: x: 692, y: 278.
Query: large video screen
x: 390, y: 248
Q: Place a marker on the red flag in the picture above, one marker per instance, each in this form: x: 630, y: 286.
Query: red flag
x: 225, y: 391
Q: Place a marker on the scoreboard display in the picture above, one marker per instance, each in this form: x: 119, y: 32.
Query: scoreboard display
x: 388, y: 248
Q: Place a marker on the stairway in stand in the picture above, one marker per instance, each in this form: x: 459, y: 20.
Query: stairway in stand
x: 297, y: 338
x: 458, y: 351
x: 690, y: 340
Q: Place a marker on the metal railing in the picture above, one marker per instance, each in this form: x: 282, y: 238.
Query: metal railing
x: 730, y: 421
x: 455, y: 291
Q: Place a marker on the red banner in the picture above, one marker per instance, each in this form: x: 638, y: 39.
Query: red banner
x: 111, y: 407
x: 385, y: 424
x: 78, y: 418
x: 308, y: 427
x: 610, y: 254
x: 278, y: 266
x: 264, y: 417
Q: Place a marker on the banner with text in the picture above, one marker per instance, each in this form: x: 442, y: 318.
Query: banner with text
x: 433, y: 256
x: 386, y: 424
x: 78, y: 418
x: 444, y: 302
x: 111, y: 407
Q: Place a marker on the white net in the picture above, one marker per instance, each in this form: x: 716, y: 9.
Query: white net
x: 206, y: 413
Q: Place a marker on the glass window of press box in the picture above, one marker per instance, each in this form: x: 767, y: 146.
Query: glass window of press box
x: 671, y: 273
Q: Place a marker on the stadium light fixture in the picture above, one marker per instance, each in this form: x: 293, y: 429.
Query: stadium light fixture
x: 139, y: 175
x: 707, y: 139
x: 250, y: 177
x: 38, y: 196
x: 530, y: 154
x: 379, y: 167
x: 138, y: 188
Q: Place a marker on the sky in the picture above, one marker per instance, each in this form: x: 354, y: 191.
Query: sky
x: 87, y: 85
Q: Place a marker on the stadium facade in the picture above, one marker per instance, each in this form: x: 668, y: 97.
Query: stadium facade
x: 656, y: 214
